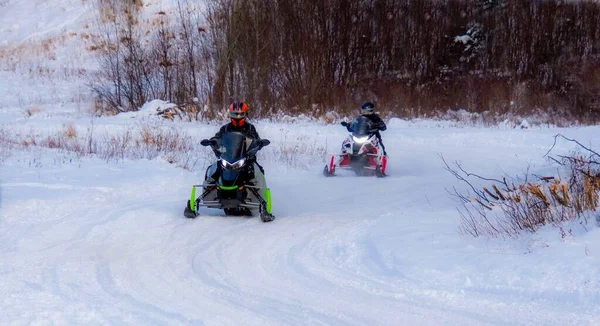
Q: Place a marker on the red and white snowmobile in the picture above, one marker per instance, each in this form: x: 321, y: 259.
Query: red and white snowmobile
x: 361, y: 151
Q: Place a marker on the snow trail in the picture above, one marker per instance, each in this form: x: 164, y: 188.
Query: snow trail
x: 96, y: 242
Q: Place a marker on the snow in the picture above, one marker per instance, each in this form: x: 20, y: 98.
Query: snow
x: 149, y: 109
x: 87, y: 240
x: 464, y: 39
x: 35, y: 19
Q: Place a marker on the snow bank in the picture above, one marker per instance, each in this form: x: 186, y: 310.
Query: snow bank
x: 149, y: 109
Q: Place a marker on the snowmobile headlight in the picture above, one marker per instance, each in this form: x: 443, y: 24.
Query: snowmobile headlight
x: 360, y: 140
x: 238, y: 164
x: 235, y: 165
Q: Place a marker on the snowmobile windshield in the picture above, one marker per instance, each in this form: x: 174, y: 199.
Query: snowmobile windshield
x: 233, y: 146
x: 361, y: 126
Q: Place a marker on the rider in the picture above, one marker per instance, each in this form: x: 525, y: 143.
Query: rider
x: 368, y: 110
x: 238, y: 112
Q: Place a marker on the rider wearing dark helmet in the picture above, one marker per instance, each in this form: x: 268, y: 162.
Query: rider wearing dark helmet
x: 368, y: 110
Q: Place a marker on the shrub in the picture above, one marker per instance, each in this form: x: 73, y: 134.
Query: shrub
x: 512, y: 206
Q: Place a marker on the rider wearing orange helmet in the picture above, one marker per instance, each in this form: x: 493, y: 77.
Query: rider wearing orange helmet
x: 238, y: 112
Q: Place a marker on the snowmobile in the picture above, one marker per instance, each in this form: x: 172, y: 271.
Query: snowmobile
x: 235, y: 183
x: 360, y: 152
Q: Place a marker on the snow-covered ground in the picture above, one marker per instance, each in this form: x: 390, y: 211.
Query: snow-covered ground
x: 87, y: 241
x: 90, y: 242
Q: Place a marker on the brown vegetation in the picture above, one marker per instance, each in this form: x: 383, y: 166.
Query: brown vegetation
x: 414, y: 58
x: 514, y: 206
x: 146, y: 140
x: 159, y: 59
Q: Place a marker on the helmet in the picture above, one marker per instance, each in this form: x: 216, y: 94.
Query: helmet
x: 367, y: 108
x: 237, y: 113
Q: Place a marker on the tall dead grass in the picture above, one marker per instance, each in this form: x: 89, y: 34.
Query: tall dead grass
x: 512, y: 206
x: 143, y: 141
x: 157, y: 140
x: 297, y: 151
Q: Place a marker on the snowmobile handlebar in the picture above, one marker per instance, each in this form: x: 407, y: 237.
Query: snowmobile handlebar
x: 264, y: 142
x: 260, y: 143
x: 347, y: 125
x: 208, y: 142
x: 213, y: 142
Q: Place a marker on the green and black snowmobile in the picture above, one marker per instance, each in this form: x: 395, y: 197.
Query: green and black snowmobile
x: 235, y: 183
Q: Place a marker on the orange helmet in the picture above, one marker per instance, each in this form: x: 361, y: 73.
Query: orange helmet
x: 237, y: 113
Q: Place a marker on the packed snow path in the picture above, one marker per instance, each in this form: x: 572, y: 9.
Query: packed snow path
x: 90, y: 242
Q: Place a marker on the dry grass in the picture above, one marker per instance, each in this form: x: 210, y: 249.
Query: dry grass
x: 152, y: 140
x: 517, y: 206
x: 31, y: 111
x: 6, y: 144
x: 42, y: 49
x: 144, y: 141
x: 70, y: 132
x: 298, y: 151
x: 93, y: 48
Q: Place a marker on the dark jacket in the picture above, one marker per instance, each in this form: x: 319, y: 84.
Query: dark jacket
x: 248, y: 129
x: 377, y: 121
x: 379, y: 124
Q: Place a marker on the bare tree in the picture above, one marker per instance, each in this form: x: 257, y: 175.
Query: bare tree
x: 412, y: 57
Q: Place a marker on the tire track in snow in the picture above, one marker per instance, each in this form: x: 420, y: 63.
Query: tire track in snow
x: 288, y: 270
x: 322, y: 261
x: 310, y: 261
x: 72, y: 238
x: 211, y: 264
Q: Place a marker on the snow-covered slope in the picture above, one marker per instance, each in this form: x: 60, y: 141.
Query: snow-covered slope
x: 45, y: 59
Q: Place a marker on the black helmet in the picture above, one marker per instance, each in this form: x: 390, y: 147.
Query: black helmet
x: 367, y: 108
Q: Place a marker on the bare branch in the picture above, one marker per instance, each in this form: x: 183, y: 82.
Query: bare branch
x: 571, y: 140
